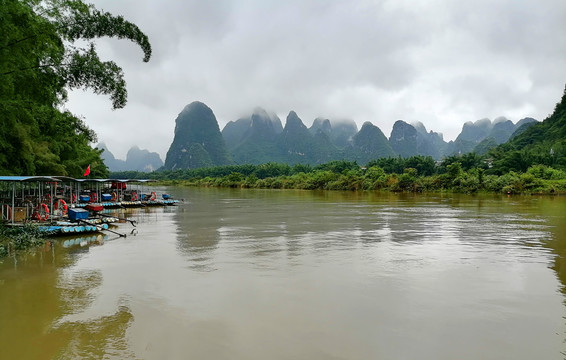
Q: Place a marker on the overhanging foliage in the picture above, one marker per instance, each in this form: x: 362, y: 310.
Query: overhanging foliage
x: 47, y: 48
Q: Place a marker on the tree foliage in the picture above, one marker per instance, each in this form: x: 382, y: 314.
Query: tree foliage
x: 540, y: 144
x: 47, y: 48
x: 464, y: 174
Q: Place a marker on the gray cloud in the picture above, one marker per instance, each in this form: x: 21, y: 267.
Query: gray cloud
x: 438, y: 61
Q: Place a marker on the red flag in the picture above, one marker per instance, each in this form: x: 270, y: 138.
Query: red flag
x: 87, y: 171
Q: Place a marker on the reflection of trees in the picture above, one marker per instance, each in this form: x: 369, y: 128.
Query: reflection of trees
x: 35, y: 294
x: 76, y: 290
x: 96, y: 338
x: 295, y: 222
x: 30, y: 301
x: 261, y: 224
x: 540, y: 218
x: 558, y: 246
x: 554, y: 210
x: 198, y: 223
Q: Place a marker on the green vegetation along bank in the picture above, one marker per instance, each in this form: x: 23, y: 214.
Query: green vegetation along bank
x: 469, y: 173
x: 14, y: 239
x: 533, y: 161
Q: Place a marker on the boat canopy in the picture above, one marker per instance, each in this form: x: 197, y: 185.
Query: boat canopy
x: 112, y: 180
x: 28, y: 178
x: 58, y: 178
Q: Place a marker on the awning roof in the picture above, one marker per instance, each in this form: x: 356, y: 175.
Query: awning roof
x: 114, y: 180
x: 66, y: 178
x: 28, y: 178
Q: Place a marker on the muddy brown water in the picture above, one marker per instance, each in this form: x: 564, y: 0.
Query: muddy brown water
x: 259, y: 274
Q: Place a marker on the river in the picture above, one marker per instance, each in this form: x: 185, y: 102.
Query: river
x: 269, y: 274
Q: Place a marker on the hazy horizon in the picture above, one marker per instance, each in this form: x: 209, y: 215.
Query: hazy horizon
x: 439, y: 62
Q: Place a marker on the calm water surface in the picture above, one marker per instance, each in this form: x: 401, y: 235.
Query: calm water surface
x: 246, y: 274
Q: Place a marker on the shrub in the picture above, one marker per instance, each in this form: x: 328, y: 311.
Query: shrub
x: 546, y: 172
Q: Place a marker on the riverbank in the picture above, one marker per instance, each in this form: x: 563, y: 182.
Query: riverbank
x: 466, y: 174
x: 536, y: 181
x: 344, y: 176
x: 21, y: 238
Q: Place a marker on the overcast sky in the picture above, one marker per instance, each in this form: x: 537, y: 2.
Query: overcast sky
x: 441, y: 62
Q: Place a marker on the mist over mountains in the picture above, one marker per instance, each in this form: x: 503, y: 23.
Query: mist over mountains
x: 261, y: 138
x: 136, y: 159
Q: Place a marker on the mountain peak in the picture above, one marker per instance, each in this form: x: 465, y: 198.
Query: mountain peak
x: 403, y: 139
x: 419, y: 126
x: 258, y: 110
x: 197, y: 141
x: 142, y: 160
x: 262, y: 118
x: 368, y: 125
x: 483, y: 122
x: 322, y: 125
x: 371, y: 142
x: 293, y: 122
x: 195, y: 105
x: 136, y: 159
x: 500, y: 119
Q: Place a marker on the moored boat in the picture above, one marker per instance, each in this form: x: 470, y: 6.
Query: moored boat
x: 60, y: 205
x: 46, y: 198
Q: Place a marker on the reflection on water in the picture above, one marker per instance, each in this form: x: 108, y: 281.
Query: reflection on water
x: 103, y: 337
x: 35, y: 295
x: 246, y: 274
x: 197, y: 231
